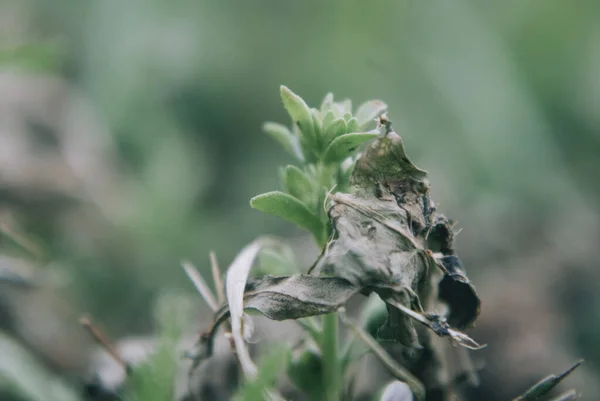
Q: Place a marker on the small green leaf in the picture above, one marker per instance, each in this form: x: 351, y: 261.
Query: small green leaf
x: 544, y: 386
x: 335, y: 129
x: 343, y: 146
x: 327, y: 120
x: 297, y: 183
x: 153, y: 379
x: 291, y: 209
x: 269, y: 369
x: 284, y: 136
x: 353, y: 125
x: 277, y: 259
x: 370, y: 110
x: 305, y: 370
x: 317, y: 127
x: 347, y: 116
x: 327, y: 102
x: 299, y: 112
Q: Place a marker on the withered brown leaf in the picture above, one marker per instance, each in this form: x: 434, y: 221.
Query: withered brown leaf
x: 388, y: 239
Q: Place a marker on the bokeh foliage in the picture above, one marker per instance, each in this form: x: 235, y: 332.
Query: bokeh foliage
x: 498, y: 99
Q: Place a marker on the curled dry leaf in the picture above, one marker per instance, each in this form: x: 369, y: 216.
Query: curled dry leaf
x: 388, y: 239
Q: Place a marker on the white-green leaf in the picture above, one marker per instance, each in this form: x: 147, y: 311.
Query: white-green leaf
x: 347, y: 105
x: 277, y: 260
x: 343, y: 146
x: 297, y: 182
x: 291, y: 209
x: 370, y: 110
x: 285, y: 137
x: 299, y: 112
x: 327, y: 102
x: 338, y: 110
x: 235, y: 284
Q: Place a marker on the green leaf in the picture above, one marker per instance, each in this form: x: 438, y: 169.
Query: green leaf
x: 343, y: 146
x: 277, y: 260
x: 353, y: 125
x: 285, y: 137
x: 291, y: 209
x: 298, y: 183
x: 317, y: 127
x: 299, y: 112
x: 368, y: 111
x: 328, y: 120
x: 305, y: 371
x: 269, y: 369
x: 153, y: 379
x: 544, y: 386
x: 336, y: 128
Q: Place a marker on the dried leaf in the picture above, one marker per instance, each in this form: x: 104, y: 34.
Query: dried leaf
x: 294, y: 297
x: 278, y: 298
x: 387, y: 239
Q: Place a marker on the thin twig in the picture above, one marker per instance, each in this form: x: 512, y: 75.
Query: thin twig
x: 200, y: 285
x: 22, y: 240
x: 393, y: 367
x: 439, y: 326
x: 219, y: 285
x: 100, y: 339
x: 570, y: 395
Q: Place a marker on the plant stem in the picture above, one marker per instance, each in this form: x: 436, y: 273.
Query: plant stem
x: 393, y: 367
x: 332, y: 372
x: 331, y: 366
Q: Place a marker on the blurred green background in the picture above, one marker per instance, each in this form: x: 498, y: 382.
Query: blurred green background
x: 130, y: 138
